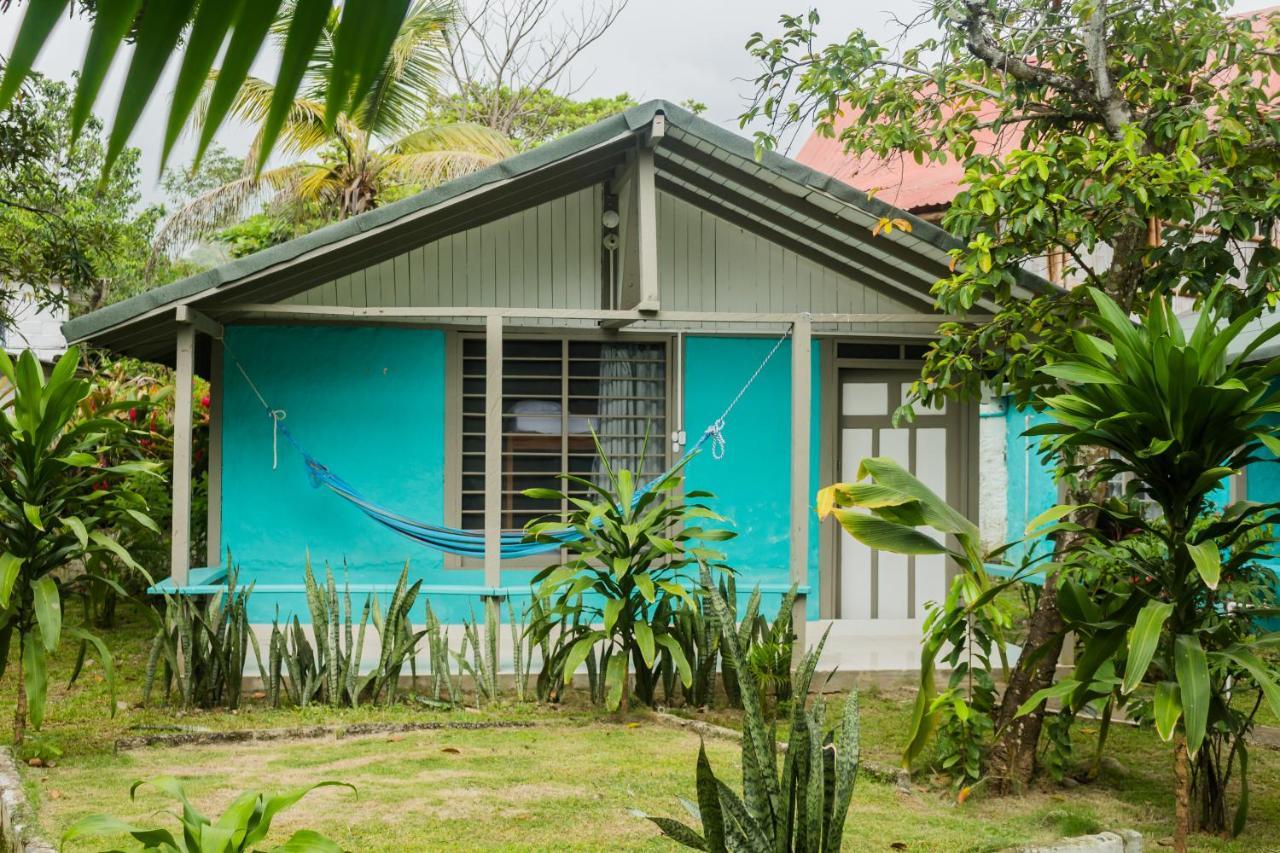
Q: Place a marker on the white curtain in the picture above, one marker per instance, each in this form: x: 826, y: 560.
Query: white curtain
x: 632, y: 404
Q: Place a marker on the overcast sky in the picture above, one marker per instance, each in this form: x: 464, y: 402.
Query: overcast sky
x: 673, y: 49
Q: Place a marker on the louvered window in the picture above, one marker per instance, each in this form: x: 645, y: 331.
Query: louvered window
x: 555, y: 392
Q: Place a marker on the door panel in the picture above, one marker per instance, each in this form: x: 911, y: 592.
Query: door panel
x: 879, y: 585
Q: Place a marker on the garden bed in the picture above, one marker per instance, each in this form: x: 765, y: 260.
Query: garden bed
x: 563, y: 778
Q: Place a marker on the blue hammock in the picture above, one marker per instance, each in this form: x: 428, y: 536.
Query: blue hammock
x: 470, y: 543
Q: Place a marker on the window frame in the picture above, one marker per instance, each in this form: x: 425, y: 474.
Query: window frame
x: 453, y: 389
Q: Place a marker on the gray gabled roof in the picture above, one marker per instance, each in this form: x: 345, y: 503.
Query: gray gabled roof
x: 808, y: 211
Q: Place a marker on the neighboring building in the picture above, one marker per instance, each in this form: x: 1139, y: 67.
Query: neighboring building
x: 34, y: 328
x: 635, y: 272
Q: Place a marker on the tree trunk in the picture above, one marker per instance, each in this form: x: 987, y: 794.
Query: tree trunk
x: 1182, y: 794
x: 20, y: 712
x: 1013, y: 755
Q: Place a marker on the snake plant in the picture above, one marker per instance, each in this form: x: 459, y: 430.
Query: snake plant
x: 800, y: 805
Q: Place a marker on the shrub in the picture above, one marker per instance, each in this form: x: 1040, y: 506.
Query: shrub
x: 624, y: 574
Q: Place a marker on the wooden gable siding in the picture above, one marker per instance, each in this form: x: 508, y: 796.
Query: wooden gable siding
x: 550, y: 256
x: 545, y: 257
x: 708, y: 264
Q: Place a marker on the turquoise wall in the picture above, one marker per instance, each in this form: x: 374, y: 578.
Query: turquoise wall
x: 1031, y: 483
x: 752, y: 482
x: 367, y: 402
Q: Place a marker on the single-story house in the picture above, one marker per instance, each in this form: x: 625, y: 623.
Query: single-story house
x: 443, y: 353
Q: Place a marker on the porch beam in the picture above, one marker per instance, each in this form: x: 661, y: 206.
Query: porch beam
x: 180, y: 533
x: 493, y: 451
x: 202, y: 322
x: 326, y: 313
x: 801, y: 405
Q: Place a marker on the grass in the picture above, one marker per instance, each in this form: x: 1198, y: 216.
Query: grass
x: 566, y: 783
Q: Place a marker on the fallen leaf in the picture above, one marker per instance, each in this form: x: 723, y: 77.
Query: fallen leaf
x: 964, y: 794
x: 898, y: 845
x: 35, y: 762
x: 55, y: 794
x: 259, y: 694
x: 452, y: 750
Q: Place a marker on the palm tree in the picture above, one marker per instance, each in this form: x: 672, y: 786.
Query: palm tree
x: 386, y: 144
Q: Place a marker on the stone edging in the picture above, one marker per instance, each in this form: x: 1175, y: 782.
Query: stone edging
x: 210, y: 737
x: 17, y: 818
x: 881, y: 773
x: 1120, y: 841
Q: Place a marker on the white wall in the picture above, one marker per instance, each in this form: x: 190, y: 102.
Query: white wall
x: 37, y: 329
x: 993, y: 474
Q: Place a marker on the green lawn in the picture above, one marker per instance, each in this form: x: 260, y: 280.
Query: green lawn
x: 567, y: 782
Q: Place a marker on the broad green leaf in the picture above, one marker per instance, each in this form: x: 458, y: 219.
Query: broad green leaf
x: 1192, y: 669
x: 307, y: 841
x: 33, y: 515
x: 106, y: 825
x: 10, y: 568
x: 577, y: 656
x: 35, y: 678
x: 77, y: 527
x: 615, y: 680
x: 250, y: 31
x: 207, y: 34
x: 158, y: 35
x: 114, y: 547
x: 644, y: 639
x: 1208, y: 561
x: 644, y: 583
x: 1143, y: 640
x: 306, y: 25
x: 48, y: 611
x: 37, y: 24
x: 887, y: 535
x: 1167, y: 708
x: 1060, y: 690
x: 612, y: 608
x: 1080, y: 373
x: 709, y: 811
x: 678, y: 657
x: 111, y: 22
x: 1049, y: 516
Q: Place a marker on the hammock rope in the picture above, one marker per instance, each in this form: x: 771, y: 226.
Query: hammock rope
x: 471, y: 543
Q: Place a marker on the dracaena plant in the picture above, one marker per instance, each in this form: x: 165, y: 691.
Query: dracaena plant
x: 623, y: 575
x: 241, y: 828
x: 1176, y: 414
x: 56, y: 501
x: 894, y: 511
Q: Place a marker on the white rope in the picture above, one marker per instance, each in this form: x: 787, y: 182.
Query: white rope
x: 715, y: 432
x: 276, y: 415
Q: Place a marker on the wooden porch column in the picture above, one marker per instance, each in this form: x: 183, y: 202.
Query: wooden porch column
x: 493, y: 451
x: 180, y: 534
x: 647, y: 230
x: 801, y: 404
x: 213, y: 528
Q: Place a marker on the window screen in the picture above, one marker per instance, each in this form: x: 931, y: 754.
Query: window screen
x: 555, y: 392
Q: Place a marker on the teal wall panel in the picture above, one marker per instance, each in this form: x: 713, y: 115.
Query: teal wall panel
x: 367, y: 402
x: 752, y: 481
x: 1032, y: 485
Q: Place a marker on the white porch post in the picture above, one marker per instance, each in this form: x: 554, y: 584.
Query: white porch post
x: 213, y: 527
x: 801, y: 404
x: 180, y: 534
x: 493, y: 452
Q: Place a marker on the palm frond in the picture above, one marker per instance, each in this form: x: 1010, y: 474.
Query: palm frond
x: 411, y: 76
x: 463, y: 136
x: 220, y: 207
x: 429, y: 168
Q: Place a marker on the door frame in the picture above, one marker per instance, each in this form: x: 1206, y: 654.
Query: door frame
x: 965, y: 467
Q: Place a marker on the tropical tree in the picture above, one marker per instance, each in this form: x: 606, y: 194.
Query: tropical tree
x: 1178, y: 416
x: 1134, y: 144
x: 56, y: 502
x: 377, y: 149
x: 65, y: 241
